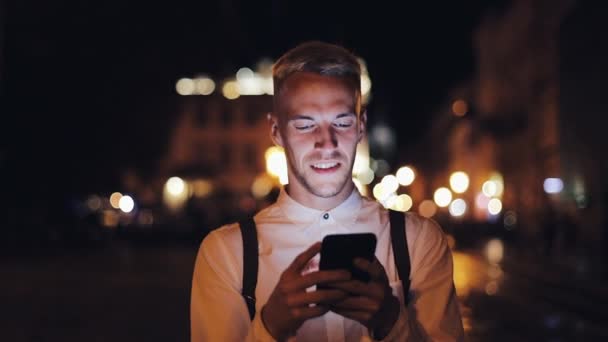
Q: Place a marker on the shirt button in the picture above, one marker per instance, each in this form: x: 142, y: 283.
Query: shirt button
x: 326, y: 216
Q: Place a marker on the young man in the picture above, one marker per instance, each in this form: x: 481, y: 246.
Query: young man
x: 318, y: 120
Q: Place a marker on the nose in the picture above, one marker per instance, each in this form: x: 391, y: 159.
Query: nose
x: 326, y: 138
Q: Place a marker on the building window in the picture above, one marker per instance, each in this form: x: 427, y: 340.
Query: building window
x: 202, y: 114
x: 226, y: 154
x: 251, y: 117
x: 250, y: 156
x: 200, y: 152
x: 226, y: 116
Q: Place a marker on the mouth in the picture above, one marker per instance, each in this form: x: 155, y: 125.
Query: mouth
x: 325, y: 167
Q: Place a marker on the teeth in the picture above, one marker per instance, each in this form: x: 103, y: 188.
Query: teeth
x: 325, y: 165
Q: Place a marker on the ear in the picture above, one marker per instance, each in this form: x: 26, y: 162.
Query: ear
x: 362, y: 126
x: 275, y: 134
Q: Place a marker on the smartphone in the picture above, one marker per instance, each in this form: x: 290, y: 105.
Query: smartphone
x: 338, y: 251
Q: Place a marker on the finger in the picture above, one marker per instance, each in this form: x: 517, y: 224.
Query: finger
x: 307, y: 312
x: 316, y: 297
x: 303, y: 258
x: 374, y: 269
x: 359, y: 316
x: 315, y: 278
x: 357, y: 303
x: 359, y: 288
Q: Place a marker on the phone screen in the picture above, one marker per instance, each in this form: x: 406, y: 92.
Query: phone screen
x: 338, y: 251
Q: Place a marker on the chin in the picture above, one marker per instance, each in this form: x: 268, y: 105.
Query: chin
x: 327, y: 189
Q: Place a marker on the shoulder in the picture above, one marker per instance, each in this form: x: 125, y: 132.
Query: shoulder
x: 221, y: 241
x: 423, y: 230
x: 229, y: 235
x: 269, y: 215
x: 371, y: 209
x: 217, y: 260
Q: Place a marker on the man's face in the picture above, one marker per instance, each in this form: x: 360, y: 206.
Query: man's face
x: 319, y: 129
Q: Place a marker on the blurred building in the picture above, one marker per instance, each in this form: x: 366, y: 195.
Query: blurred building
x: 533, y: 115
x: 515, y: 101
x: 214, y: 157
x: 583, y: 104
x: 504, y: 123
x: 221, y: 140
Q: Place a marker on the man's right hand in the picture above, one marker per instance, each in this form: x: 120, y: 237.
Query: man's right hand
x: 289, y: 304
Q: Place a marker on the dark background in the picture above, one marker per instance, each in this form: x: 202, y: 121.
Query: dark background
x: 87, y: 90
x: 88, y: 86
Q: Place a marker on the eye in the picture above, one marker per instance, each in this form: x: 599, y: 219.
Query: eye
x: 303, y: 125
x: 344, y: 122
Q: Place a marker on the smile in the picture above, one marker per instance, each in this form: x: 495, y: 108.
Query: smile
x: 325, y: 167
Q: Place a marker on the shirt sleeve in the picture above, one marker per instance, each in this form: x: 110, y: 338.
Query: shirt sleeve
x: 433, y: 313
x: 217, y: 309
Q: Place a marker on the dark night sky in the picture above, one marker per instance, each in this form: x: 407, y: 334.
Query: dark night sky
x: 88, y: 87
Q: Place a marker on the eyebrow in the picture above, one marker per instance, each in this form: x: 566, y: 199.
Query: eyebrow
x: 345, y: 114
x: 300, y: 117
x: 306, y: 117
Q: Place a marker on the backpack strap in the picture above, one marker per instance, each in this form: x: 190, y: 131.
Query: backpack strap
x: 400, y: 250
x: 250, y: 263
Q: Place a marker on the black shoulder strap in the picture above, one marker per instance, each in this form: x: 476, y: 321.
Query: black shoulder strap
x: 400, y: 250
x: 250, y: 263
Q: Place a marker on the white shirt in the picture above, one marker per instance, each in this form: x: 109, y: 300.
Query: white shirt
x: 285, y: 229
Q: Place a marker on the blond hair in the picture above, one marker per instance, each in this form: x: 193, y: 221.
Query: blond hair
x: 321, y: 58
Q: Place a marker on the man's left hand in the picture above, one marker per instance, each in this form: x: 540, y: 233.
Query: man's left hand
x: 371, y: 304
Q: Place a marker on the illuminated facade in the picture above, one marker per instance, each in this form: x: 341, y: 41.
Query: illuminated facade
x: 221, y: 140
x: 504, y: 123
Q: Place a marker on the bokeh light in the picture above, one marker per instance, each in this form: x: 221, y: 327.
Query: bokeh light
x: 491, y: 288
x: 494, y: 251
x: 262, y: 185
x: 494, y: 206
x: 231, y: 90
x: 553, y: 185
x: 126, y: 204
x: 489, y: 188
x: 442, y: 197
x: 510, y: 219
x: 204, y: 85
x: 481, y: 201
x: 185, y: 86
x: 202, y: 188
x: 175, y: 186
x: 175, y: 193
x: 459, y: 182
x: 497, y: 179
x: 380, y: 192
x: 405, y: 175
x: 115, y: 199
x: 459, y: 107
x: 458, y: 207
x: 427, y: 208
x: 276, y: 163
x: 390, y: 183
x: 93, y: 203
x: 366, y: 177
x: 402, y: 202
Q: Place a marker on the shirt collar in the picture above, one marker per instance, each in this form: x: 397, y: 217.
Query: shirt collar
x: 345, y: 213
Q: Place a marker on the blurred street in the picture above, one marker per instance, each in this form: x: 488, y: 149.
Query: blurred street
x: 524, y: 300
x: 130, y: 130
x: 139, y: 291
